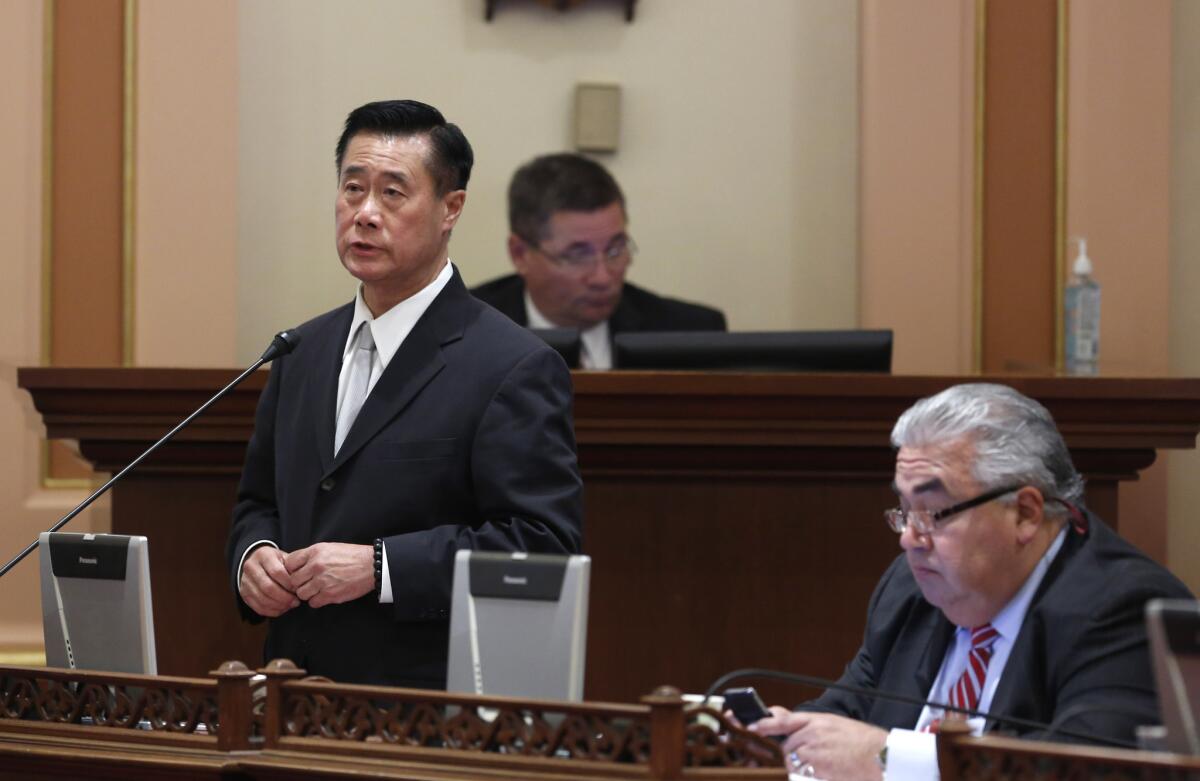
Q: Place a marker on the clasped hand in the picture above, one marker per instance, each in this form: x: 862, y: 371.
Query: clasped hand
x: 328, y: 573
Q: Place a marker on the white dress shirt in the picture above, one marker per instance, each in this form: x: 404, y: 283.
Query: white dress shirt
x: 389, y: 330
x: 596, y: 352
x: 912, y: 753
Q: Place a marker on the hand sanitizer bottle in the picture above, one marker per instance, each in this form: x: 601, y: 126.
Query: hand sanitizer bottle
x: 1082, y: 316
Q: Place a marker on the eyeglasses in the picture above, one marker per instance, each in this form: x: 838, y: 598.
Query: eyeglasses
x: 924, y: 521
x: 581, y: 258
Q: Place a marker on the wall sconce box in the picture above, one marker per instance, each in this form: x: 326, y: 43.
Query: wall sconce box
x: 597, y: 117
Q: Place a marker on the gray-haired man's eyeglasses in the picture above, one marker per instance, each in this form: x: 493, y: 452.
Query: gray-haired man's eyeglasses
x: 925, y: 521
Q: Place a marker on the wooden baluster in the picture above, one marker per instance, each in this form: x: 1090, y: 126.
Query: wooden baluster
x: 278, y: 672
x: 666, y: 733
x: 233, y: 706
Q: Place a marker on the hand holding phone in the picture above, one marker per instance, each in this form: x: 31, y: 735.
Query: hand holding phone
x: 746, y: 705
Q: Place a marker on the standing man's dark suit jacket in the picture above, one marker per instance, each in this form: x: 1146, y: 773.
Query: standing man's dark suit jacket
x: 638, y: 310
x: 1081, y: 658
x: 466, y: 441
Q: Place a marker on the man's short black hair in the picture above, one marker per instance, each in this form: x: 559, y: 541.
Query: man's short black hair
x: 452, y: 158
x: 559, y: 182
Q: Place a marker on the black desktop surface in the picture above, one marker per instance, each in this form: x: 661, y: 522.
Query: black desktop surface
x: 779, y: 351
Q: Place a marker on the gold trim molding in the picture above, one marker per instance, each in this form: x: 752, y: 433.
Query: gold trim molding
x: 128, y: 183
x: 1060, y: 183
x: 47, y: 332
x: 22, y: 657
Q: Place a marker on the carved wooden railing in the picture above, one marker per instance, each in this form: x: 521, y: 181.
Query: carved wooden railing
x: 216, y: 712
x: 281, y: 713
x: 280, y: 724
x: 305, y: 714
x: 962, y: 757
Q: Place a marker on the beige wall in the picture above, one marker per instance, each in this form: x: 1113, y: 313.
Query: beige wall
x: 1184, y: 280
x: 1118, y: 164
x: 186, y: 184
x: 737, y: 154
x: 916, y: 202
x: 1118, y: 196
x: 185, y: 246
x: 25, y: 508
x: 917, y: 218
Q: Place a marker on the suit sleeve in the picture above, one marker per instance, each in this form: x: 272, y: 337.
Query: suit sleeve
x: 862, y: 670
x: 1103, y: 684
x: 526, y: 483
x: 256, y: 515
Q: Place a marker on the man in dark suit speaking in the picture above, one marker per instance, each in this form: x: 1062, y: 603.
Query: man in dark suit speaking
x: 569, y: 245
x: 1008, y: 599
x: 407, y: 424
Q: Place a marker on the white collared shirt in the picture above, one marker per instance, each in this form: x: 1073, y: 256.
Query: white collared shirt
x: 596, y: 352
x: 389, y: 330
x: 912, y: 754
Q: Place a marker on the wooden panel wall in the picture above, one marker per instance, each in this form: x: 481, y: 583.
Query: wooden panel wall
x: 1018, y: 318
x: 85, y: 304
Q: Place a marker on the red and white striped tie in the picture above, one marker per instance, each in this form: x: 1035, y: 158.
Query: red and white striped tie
x: 965, y: 693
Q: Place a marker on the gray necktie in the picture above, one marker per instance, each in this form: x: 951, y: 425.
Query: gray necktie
x: 362, y: 358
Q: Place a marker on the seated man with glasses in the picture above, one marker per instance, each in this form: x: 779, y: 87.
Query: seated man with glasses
x: 1010, y: 598
x: 569, y: 244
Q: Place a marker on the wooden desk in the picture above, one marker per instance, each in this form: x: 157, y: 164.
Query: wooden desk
x: 734, y: 520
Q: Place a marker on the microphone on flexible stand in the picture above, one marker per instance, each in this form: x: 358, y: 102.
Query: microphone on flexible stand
x: 821, y: 683
x: 283, y: 343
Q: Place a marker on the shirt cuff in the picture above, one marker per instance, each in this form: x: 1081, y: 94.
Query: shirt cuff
x: 911, y: 756
x: 245, y: 553
x: 385, y: 581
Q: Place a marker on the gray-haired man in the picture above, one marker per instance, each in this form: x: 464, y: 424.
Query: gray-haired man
x: 1009, y: 598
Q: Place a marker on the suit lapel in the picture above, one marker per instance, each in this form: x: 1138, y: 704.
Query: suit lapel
x: 1017, y: 679
x: 935, y: 652
x: 324, y: 381
x: 926, y: 648
x: 418, y: 361
x: 912, y: 665
x: 1016, y: 693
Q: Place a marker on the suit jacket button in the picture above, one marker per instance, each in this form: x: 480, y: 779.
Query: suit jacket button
x: 328, y: 483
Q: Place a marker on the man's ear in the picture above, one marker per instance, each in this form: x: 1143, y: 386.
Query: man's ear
x: 453, y: 202
x: 518, y: 253
x: 1030, y: 506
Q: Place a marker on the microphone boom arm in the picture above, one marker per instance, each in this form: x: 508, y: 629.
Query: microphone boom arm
x: 283, y: 343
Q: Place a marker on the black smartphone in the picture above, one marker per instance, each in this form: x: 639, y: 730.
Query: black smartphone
x: 746, y: 705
